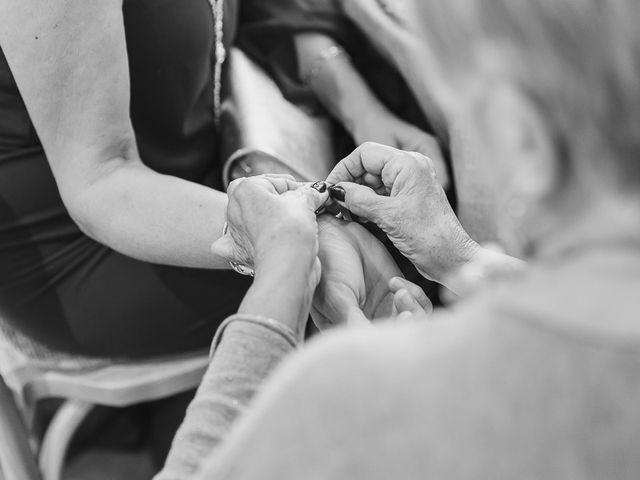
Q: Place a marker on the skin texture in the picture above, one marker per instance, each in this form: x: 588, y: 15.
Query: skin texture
x: 399, y: 192
x: 356, y: 270
x: 272, y: 227
x: 343, y: 91
x: 69, y: 60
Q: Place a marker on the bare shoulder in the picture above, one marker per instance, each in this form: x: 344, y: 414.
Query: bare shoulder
x: 69, y: 60
x: 54, y: 27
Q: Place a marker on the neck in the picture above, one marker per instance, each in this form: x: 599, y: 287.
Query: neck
x: 609, y: 223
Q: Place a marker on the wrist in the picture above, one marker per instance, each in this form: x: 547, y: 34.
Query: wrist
x: 486, y: 264
x: 282, y: 260
x: 362, y: 117
x: 282, y: 290
x: 291, y: 253
x: 439, y: 263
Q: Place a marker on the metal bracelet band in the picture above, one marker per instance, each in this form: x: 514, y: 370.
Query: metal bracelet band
x: 275, y: 326
x: 323, y: 57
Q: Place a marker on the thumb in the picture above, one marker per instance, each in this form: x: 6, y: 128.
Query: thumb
x: 396, y: 284
x: 404, y: 302
x: 360, y: 200
x: 224, y: 247
x: 314, y: 198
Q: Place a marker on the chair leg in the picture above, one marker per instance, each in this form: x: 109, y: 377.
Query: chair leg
x: 58, y: 436
x: 17, y: 460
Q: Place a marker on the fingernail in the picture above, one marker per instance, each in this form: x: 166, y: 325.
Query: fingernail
x: 395, y: 283
x: 346, y: 214
x: 405, y: 299
x: 337, y: 193
x: 320, y: 186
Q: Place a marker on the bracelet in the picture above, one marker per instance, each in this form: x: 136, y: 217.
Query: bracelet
x: 323, y: 57
x: 277, y: 327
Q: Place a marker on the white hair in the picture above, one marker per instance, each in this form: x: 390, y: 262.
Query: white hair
x: 578, y: 59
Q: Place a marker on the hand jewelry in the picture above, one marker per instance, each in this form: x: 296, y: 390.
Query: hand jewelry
x: 323, y: 57
x: 238, y: 267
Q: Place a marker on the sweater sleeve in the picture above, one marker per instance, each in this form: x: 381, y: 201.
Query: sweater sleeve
x: 246, y: 355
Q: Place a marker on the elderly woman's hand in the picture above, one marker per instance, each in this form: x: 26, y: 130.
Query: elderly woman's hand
x: 356, y: 270
x: 400, y: 193
x: 382, y: 126
x: 272, y: 227
x: 270, y: 219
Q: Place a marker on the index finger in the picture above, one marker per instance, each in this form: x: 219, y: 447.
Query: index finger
x: 369, y: 158
x: 312, y: 197
x: 270, y: 182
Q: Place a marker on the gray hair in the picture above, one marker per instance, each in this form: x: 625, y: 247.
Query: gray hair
x: 579, y: 60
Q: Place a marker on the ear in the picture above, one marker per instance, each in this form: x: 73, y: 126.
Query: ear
x: 519, y: 131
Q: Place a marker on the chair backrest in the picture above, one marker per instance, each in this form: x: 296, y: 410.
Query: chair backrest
x: 17, y: 460
x: 21, y: 358
x: 33, y: 371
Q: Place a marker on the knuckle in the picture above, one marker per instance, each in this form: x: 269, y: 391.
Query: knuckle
x: 421, y: 161
x: 236, y: 187
x: 368, y: 145
x: 234, y: 184
x: 244, y: 186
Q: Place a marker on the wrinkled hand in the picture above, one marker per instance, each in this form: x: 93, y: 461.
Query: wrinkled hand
x: 400, y: 193
x: 387, y: 129
x: 356, y: 270
x: 270, y: 217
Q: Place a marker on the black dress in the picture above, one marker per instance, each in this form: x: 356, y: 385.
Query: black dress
x: 72, y: 293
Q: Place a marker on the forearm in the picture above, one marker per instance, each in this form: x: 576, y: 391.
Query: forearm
x: 403, y: 49
x: 152, y: 217
x: 282, y: 290
x: 246, y: 355
x: 337, y: 84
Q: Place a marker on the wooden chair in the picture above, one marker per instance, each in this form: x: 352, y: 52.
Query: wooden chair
x: 31, y: 372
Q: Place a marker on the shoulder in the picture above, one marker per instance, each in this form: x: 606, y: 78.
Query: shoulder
x: 369, y: 358
x: 42, y: 20
x: 469, y: 345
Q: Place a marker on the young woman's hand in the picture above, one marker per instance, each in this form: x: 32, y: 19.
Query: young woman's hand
x: 400, y: 193
x: 409, y: 300
x: 356, y: 269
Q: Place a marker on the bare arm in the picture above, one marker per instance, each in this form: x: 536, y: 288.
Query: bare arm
x: 345, y: 93
x: 69, y: 60
x: 400, y: 43
x: 338, y: 85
